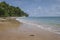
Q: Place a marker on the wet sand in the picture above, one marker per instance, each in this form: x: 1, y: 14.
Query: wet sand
x: 13, y: 30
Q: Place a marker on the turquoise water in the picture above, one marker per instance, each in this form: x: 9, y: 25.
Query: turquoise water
x: 47, y: 23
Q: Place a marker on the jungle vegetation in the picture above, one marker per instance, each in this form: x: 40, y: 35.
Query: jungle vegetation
x: 7, y: 10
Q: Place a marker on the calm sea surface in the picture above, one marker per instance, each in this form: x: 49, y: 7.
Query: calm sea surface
x: 47, y: 23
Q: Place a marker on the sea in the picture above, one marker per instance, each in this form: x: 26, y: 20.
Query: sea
x: 51, y: 24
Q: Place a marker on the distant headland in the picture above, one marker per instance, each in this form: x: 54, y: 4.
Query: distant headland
x: 7, y: 10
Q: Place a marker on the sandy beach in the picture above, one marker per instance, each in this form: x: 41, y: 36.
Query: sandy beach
x: 10, y: 29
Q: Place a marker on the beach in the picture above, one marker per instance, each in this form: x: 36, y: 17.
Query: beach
x: 11, y: 29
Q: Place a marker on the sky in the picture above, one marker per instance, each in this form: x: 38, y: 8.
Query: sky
x: 37, y: 8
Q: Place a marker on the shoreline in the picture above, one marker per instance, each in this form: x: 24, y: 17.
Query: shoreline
x: 7, y: 23
x: 39, y: 26
x: 17, y: 31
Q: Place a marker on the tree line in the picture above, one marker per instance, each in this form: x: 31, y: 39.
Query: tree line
x: 7, y: 10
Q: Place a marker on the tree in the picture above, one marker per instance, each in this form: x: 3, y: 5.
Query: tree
x: 8, y: 10
x: 1, y: 12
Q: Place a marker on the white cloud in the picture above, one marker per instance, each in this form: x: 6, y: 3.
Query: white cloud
x: 50, y: 11
x: 45, y: 8
x: 39, y: 8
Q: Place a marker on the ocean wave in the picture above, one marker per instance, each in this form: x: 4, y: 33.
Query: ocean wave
x: 38, y: 25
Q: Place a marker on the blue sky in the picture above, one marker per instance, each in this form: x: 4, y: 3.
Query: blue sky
x: 37, y: 8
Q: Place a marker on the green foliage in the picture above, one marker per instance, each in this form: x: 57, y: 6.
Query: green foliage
x: 7, y: 10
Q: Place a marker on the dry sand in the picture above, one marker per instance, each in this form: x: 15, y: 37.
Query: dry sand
x: 8, y: 23
x: 13, y: 30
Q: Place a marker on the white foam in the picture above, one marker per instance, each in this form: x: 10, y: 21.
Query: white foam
x: 40, y: 26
